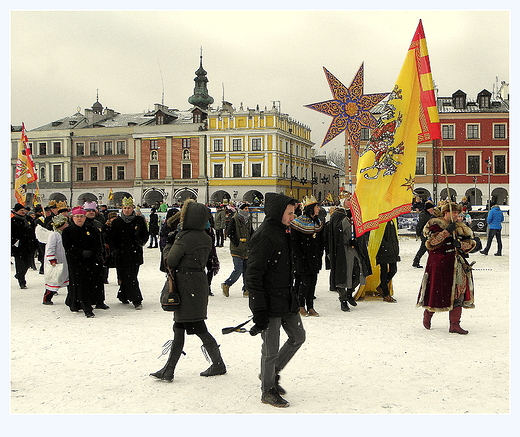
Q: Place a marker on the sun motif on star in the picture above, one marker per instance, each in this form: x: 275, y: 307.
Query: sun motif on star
x: 409, y: 184
x: 349, y: 107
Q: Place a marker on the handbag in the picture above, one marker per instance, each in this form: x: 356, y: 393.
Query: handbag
x: 170, y: 299
x: 54, y: 275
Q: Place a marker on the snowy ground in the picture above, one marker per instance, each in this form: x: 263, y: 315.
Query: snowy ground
x: 375, y: 360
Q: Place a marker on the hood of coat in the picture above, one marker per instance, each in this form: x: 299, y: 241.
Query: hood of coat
x: 275, y: 205
x: 195, y: 216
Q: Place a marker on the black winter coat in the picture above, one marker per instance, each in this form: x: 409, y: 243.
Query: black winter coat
x: 83, y: 251
x: 269, y: 274
x: 187, y: 258
x: 388, y: 251
x: 307, y: 245
x: 127, y: 240
x: 23, y: 239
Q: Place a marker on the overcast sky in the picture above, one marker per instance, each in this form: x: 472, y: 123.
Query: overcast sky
x: 59, y: 59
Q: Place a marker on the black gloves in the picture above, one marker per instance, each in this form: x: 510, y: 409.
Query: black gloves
x: 451, y: 227
x: 261, y: 320
x: 456, y: 243
x: 87, y: 254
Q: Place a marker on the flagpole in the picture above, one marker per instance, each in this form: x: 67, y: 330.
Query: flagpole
x: 443, y: 156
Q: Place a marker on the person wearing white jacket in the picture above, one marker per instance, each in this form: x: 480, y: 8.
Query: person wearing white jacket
x: 55, y: 264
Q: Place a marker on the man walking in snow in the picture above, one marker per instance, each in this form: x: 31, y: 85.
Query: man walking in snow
x: 272, y: 298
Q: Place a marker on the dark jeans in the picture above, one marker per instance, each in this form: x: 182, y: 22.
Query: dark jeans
x: 494, y: 233
x: 22, y: 263
x: 219, y: 234
x: 273, y: 358
x: 239, y: 268
x: 422, y: 250
x: 388, y: 271
x: 307, y: 286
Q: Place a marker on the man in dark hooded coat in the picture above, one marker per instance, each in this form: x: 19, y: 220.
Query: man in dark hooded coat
x: 272, y: 298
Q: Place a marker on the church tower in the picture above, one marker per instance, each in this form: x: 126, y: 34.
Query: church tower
x: 200, y: 96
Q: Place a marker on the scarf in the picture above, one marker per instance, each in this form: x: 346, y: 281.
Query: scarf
x: 128, y: 218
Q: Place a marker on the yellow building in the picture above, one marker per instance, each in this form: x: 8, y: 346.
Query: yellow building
x: 251, y: 152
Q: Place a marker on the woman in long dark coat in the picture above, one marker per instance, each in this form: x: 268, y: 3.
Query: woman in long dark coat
x: 127, y: 237
x: 153, y: 228
x: 83, y: 251
x: 307, y: 240
x: 186, y: 259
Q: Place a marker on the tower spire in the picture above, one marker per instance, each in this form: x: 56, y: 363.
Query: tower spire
x: 201, y: 97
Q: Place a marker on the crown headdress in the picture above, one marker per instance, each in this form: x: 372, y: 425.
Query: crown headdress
x: 128, y: 201
x: 309, y: 200
x: 345, y: 195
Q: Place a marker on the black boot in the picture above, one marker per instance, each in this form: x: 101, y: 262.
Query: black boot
x: 47, y: 297
x: 166, y: 373
x: 211, y: 348
x: 350, y: 298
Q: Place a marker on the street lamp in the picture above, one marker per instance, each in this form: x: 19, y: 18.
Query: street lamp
x: 488, y: 162
x: 474, y: 200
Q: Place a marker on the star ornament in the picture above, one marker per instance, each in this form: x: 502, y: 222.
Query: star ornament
x: 409, y: 183
x: 350, y: 108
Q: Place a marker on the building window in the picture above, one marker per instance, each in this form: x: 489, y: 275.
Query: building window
x: 43, y: 149
x: 108, y: 148
x: 56, y: 148
x: 448, y: 164
x: 218, y: 170
x: 197, y: 117
x: 256, y: 144
x: 500, y: 164
x: 154, y: 144
x: 186, y: 143
x: 42, y: 174
x: 108, y: 173
x: 79, y: 173
x: 80, y: 149
x: 154, y: 155
x: 499, y: 131
x: 365, y: 134
x: 121, y: 147
x: 420, y: 165
x: 120, y: 172
x: 186, y: 171
x: 459, y: 102
x: 154, y: 171
x: 473, y: 164
x: 256, y: 170
x: 448, y: 131
x: 159, y: 119
x: 93, y: 173
x: 237, y: 170
x: 472, y: 131
x: 94, y: 149
x: 218, y: 145
x: 56, y: 172
x: 237, y: 144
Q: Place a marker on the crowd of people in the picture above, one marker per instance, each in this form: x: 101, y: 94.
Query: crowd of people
x: 279, y: 263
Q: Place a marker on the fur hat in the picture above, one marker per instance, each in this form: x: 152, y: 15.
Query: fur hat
x: 78, y: 210
x: 90, y: 205
x: 429, y: 205
x: 455, y: 207
x: 112, y: 214
x: 18, y: 207
x: 58, y: 221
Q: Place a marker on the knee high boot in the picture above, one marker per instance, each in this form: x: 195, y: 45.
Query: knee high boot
x: 210, y: 346
x: 166, y: 373
x: 47, y: 297
x: 427, y: 319
x: 455, y: 314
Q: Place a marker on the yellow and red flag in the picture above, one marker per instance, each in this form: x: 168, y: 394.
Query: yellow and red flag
x: 386, y: 167
x: 110, y: 194
x: 25, y: 172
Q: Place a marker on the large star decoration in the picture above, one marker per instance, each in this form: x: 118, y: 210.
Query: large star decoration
x: 409, y: 183
x: 350, y: 108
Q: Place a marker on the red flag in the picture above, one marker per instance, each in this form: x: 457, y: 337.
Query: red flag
x: 31, y: 172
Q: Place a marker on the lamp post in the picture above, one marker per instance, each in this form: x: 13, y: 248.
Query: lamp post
x: 290, y: 160
x: 474, y: 200
x: 488, y: 162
